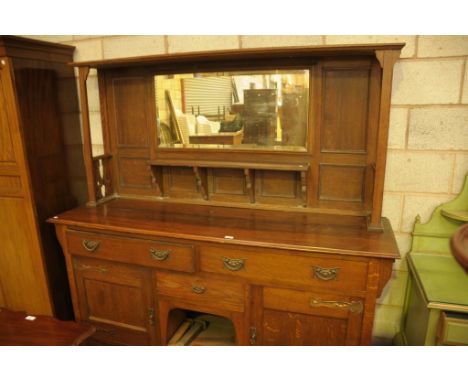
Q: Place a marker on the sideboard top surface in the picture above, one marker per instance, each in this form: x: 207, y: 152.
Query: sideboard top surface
x: 269, y: 229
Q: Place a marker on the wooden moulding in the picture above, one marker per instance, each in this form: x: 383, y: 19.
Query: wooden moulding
x: 239, y: 55
x: 241, y: 165
x: 106, y: 178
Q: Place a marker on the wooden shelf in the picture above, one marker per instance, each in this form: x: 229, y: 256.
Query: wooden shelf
x: 239, y: 165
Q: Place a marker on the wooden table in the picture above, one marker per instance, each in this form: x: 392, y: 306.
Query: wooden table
x: 16, y: 330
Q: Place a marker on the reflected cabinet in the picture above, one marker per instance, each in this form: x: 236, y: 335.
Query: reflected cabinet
x: 237, y: 199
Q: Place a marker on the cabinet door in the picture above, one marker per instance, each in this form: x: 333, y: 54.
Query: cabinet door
x: 308, y: 318
x: 116, y: 299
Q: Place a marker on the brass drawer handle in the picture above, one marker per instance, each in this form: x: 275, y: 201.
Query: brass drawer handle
x: 352, y: 306
x: 91, y: 245
x: 233, y: 264
x: 159, y: 254
x: 198, y: 289
x: 325, y: 274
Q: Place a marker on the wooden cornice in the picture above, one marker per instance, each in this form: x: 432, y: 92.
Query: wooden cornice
x: 238, y: 55
x: 22, y: 47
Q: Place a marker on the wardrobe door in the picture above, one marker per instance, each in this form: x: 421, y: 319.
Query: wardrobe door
x: 23, y: 279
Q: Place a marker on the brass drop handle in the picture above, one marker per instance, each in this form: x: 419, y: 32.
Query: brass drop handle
x: 325, y: 274
x: 151, y: 317
x: 233, y: 264
x: 91, y: 245
x: 352, y: 306
x: 253, y: 335
x: 198, y: 289
x: 159, y: 254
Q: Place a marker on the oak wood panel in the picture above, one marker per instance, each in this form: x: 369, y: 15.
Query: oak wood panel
x: 227, y: 182
x: 180, y: 257
x: 344, y: 183
x: 286, y: 267
x: 345, y: 105
x: 7, y: 153
x: 24, y: 281
x: 278, y: 187
x: 134, y: 173
x: 228, y: 185
x: 10, y: 186
x: 128, y: 124
x: 283, y: 328
x: 327, y: 312
x: 202, y: 291
x: 180, y: 182
x: 130, y: 117
x: 117, y: 299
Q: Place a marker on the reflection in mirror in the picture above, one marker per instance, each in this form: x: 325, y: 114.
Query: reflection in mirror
x: 242, y: 110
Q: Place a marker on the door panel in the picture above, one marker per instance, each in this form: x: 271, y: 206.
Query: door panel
x: 116, y: 299
x: 284, y: 328
x: 293, y: 317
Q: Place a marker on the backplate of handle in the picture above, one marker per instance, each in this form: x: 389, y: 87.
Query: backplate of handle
x: 325, y: 274
x: 159, y: 254
x: 233, y: 264
x: 91, y: 245
x: 198, y: 289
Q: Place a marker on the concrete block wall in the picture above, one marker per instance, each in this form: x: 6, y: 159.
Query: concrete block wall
x: 428, y: 140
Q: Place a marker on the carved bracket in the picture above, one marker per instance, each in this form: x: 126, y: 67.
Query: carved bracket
x: 157, y: 179
x: 102, y: 176
x: 249, y: 185
x: 200, y: 183
x: 304, y: 188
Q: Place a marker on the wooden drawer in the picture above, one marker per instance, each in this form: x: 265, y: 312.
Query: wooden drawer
x: 327, y: 305
x: 326, y: 271
x: 150, y: 253
x: 203, y: 291
x: 453, y: 329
